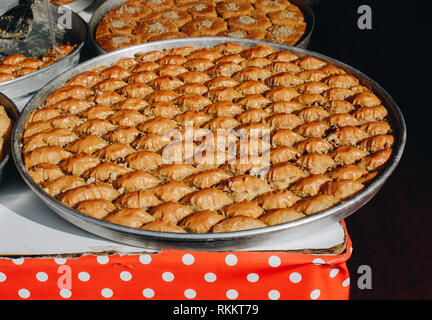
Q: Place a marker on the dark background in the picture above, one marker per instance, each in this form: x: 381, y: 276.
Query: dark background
x: 391, y: 233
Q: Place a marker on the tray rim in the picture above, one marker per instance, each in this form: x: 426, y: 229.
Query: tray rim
x: 105, y: 7
x: 191, y: 240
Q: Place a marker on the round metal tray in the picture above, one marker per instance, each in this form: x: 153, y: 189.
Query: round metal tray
x: 109, y: 5
x: 13, y: 113
x: 20, y: 88
x: 208, y: 241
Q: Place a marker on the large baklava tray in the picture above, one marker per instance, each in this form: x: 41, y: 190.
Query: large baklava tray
x: 208, y: 140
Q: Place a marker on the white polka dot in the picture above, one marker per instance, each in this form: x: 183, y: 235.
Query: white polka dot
x: 274, y: 261
x: 24, y: 293
x: 42, y: 276
x: 83, y: 276
x: 315, y: 294
x: 148, y: 293
x: 295, y: 277
x: 102, y: 259
x: 2, y: 277
x: 145, y: 259
x: 318, y: 261
x: 167, y: 276
x: 107, y: 293
x: 231, y: 260
x: 18, y: 261
x: 188, y: 259
x: 252, y: 277
x: 346, y: 282
x: 210, y: 277
x: 65, y: 293
x: 232, y: 294
x: 125, y: 275
x: 60, y: 260
x: 274, y: 295
x: 333, y: 272
x: 190, y: 293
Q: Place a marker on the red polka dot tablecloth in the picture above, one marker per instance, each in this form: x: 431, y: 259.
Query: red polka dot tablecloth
x: 178, y: 275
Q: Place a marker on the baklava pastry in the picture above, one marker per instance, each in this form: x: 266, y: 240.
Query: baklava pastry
x: 285, y: 137
x: 98, y: 208
x: 78, y: 164
x: 233, y: 8
x: 314, y: 145
x: 137, y: 199
x: 144, y: 160
x: 342, y: 189
x: 375, y: 160
x: 316, y: 163
x: 130, y: 217
x: 348, y: 135
x: 51, y: 137
x: 105, y: 172
x: 170, y: 211
x: 162, y: 226
x: 279, y: 216
x: 204, y: 26
x: 309, y: 186
x: 347, y: 154
x: 377, y: 143
x: 283, y: 154
x: 45, y: 172
x: 208, y: 178
x: 207, y: 199
x: 136, y: 180
x: 313, y: 113
x: 62, y: 184
x: 92, y: 191
x: 315, y: 204
x: 47, y: 154
x: 244, y: 187
x: 282, y: 175
x: 171, y: 191
x: 277, y: 199
x: 200, y: 221
x: 237, y: 223
x: 44, y: 114
x: 347, y: 172
x: 244, y: 208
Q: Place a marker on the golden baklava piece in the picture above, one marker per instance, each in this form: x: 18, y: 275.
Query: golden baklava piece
x: 17, y: 65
